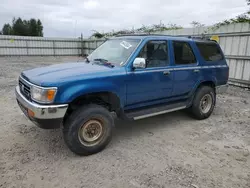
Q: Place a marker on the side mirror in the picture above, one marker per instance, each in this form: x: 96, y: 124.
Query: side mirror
x: 139, y: 63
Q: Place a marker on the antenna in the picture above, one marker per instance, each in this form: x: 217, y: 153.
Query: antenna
x: 75, y: 29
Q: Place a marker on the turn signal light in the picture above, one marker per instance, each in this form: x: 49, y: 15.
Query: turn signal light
x: 31, y: 113
x: 51, y: 94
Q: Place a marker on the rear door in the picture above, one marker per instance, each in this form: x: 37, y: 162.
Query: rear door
x: 186, y: 71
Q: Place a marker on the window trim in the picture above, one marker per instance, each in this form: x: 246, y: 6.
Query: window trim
x: 192, y: 50
x: 161, y: 67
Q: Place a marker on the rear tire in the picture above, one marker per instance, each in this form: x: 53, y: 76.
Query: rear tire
x: 88, y: 130
x: 203, y: 103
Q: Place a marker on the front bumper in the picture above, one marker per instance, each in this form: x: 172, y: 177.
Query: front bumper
x: 222, y: 89
x: 45, y: 116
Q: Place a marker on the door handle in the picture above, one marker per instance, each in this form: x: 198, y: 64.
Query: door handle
x: 196, y: 70
x: 166, y: 73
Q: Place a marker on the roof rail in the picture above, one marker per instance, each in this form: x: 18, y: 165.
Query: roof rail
x: 202, y: 37
x: 132, y: 34
x: 141, y: 34
x: 152, y: 34
x: 214, y: 38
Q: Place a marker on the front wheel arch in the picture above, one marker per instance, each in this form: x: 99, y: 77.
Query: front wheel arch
x: 108, y: 100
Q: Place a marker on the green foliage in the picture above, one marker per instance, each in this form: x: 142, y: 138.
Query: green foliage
x: 196, y: 24
x: 33, y: 27
x: 243, y: 18
x: 97, y: 35
x: 39, y: 28
x: 21, y: 27
x: 7, y: 29
x: 143, y: 29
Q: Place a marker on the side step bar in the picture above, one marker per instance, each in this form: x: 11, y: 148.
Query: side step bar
x: 154, y: 111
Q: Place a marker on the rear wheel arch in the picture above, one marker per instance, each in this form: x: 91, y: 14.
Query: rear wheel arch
x: 196, y: 89
x: 207, y: 83
x: 202, y: 94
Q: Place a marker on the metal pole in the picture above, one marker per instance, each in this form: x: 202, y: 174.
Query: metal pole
x: 82, y: 45
x: 27, y: 47
x: 54, y: 50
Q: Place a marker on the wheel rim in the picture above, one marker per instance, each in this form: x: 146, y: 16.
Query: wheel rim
x: 206, y: 103
x: 90, y: 133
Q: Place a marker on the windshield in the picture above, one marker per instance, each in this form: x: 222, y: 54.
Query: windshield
x: 115, y: 51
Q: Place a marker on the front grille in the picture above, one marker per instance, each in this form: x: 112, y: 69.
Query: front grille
x: 24, y: 88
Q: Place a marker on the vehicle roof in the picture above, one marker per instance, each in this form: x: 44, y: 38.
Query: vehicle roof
x: 141, y: 37
x: 166, y: 37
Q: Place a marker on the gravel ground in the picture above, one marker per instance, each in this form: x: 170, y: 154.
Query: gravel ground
x: 171, y: 150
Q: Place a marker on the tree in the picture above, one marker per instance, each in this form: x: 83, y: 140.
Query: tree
x: 7, y: 29
x: 196, y: 24
x: 33, y: 27
x: 241, y: 18
x: 98, y: 35
x: 21, y: 27
x: 39, y: 28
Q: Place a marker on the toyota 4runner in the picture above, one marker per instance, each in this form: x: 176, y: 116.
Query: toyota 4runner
x: 133, y: 77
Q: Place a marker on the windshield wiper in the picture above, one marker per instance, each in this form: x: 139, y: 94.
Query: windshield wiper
x: 103, y: 62
x: 100, y: 59
x: 87, y: 60
x: 84, y: 59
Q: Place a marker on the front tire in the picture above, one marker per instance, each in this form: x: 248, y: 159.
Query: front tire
x: 88, y: 130
x: 203, y: 103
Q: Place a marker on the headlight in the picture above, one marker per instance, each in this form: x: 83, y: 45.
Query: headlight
x: 43, y: 95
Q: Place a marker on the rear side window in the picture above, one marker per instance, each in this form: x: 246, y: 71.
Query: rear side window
x: 210, y: 51
x: 183, y: 53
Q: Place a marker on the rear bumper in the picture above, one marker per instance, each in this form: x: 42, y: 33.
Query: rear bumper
x: 45, y: 116
x: 222, y: 89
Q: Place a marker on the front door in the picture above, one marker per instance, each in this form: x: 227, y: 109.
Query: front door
x: 155, y: 82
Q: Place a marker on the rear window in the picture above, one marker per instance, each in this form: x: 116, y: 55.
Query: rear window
x: 210, y: 51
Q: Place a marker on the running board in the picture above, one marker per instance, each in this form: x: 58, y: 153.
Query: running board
x: 154, y: 111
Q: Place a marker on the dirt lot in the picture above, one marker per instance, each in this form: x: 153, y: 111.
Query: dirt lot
x: 171, y: 151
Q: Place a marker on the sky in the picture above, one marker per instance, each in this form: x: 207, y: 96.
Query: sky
x: 70, y: 18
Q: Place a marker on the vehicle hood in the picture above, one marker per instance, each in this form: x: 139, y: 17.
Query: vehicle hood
x: 54, y: 75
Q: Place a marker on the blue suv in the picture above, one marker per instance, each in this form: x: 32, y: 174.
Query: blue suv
x: 133, y: 77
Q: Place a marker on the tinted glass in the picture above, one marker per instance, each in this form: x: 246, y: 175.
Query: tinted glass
x: 183, y: 53
x: 155, y: 53
x: 210, y: 51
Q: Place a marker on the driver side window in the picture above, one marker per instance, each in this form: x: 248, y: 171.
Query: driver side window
x: 155, y: 53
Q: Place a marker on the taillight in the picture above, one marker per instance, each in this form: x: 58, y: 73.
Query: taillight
x: 227, y: 73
